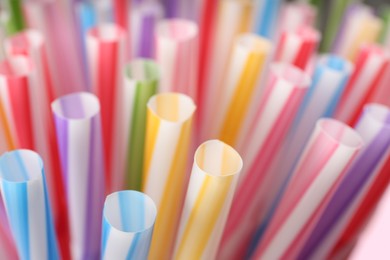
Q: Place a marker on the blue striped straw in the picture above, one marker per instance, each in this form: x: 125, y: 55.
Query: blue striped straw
x: 128, y: 221
x: 24, y: 191
x: 79, y: 137
x: 265, y: 18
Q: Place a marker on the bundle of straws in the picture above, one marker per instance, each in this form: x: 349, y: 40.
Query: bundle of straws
x: 191, y: 129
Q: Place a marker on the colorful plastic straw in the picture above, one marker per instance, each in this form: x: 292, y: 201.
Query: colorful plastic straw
x: 23, y: 187
x: 374, y: 127
x: 78, y: 124
x: 210, y: 193
x: 294, y: 15
x: 31, y: 43
x: 360, y: 26
x: 298, y: 46
x: 168, y: 134
x: 279, y: 103
x: 16, y: 19
x: 144, y: 18
x: 233, y: 18
x: 371, y: 65
x: 177, y: 55
x: 140, y: 82
x: 128, y: 221
x: 265, y: 17
x: 240, y: 90
x: 16, y: 85
x: 106, y: 57
x: 7, y: 245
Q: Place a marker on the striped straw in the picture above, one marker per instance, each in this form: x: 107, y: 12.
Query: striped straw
x: 144, y: 18
x: 24, y: 191
x: 371, y: 65
x: 295, y: 15
x: 297, y: 47
x: 7, y: 244
x: 240, y: 89
x: 141, y: 78
x: 360, y: 26
x: 279, y: 103
x: 106, y: 54
x: 128, y: 221
x: 78, y: 125
x: 16, y: 81
x: 265, y: 18
x: 16, y: 21
x: 168, y: 132
x: 210, y: 193
x: 374, y: 127
x: 329, y: 152
x: 177, y: 54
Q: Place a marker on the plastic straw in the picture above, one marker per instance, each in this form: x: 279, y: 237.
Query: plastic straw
x: 168, y: 133
x: 16, y: 81
x: 78, y: 125
x: 16, y: 18
x: 384, y: 37
x: 106, y: 53
x: 327, y: 155
x: 210, y: 192
x: 240, y: 89
x: 360, y: 26
x: 233, y: 18
x: 144, y: 18
x: 7, y: 245
x: 64, y: 45
x: 374, y: 127
x: 296, y: 15
x: 265, y: 17
x: 177, y: 54
x: 24, y: 192
x: 279, y: 103
x: 31, y: 43
x: 371, y: 65
x: 140, y: 83
x: 297, y: 47
x: 128, y: 221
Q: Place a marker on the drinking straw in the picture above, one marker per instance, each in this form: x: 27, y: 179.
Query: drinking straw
x: 374, y: 242
x: 140, y: 81
x: 128, y: 221
x: 65, y: 53
x: 297, y: 47
x: 265, y: 17
x: 7, y: 245
x: 384, y: 37
x: 87, y: 15
x: 374, y: 127
x: 278, y: 105
x: 121, y: 10
x: 295, y: 15
x: 334, y: 19
x: 16, y: 18
x: 16, y: 79
x: 144, y: 18
x: 371, y: 65
x: 78, y: 125
x: 31, y: 43
x: 360, y: 26
x: 241, y: 88
x: 209, y: 196
x: 23, y: 187
x: 330, y: 150
x: 233, y: 18
x: 168, y: 133
x: 176, y: 53
x: 105, y: 52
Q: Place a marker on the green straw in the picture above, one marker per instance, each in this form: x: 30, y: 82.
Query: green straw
x: 16, y: 20
x: 145, y: 87
x: 385, y: 16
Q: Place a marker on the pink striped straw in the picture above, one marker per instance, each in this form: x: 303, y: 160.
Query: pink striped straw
x: 177, y: 54
x: 297, y: 46
x: 330, y: 150
x: 280, y: 101
x: 295, y: 15
x: 106, y: 57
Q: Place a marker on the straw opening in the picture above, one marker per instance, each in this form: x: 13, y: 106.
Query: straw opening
x: 379, y: 113
x: 340, y: 133
x: 173, y: 107
x: 130, y: 211
x: 15, y: 67
x: 177, y: 29
x: 218, y: 159
x: 76, y: 106
x: 254, y: 43
x: 107, y: 32
x: 291, y: 74
x: 21, y: 166
x: 143, y: 70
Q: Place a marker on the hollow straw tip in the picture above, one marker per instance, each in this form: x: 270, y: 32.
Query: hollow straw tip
x: 107, y: 32
x: 177, y: 29
x: 132, y: 70
x: 291, y: 74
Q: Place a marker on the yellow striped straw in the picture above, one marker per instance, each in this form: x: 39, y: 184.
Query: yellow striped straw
x: 210, y: 192
x: 168, y: 133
